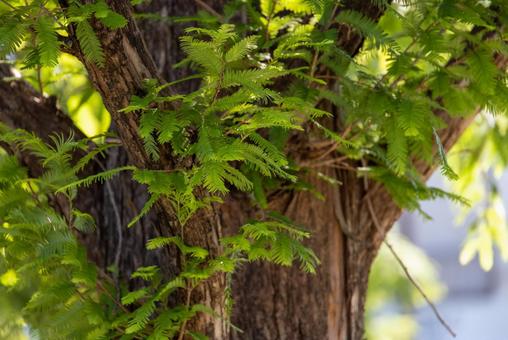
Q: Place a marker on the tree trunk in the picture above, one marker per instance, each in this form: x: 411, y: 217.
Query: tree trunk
x: 271, y: 302
x: 283, y: 303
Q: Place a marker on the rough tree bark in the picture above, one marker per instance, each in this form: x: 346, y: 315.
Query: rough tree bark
x: 271, y: 302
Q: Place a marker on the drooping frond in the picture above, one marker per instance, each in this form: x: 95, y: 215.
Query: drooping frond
x: 48, y: 47
x: 89, y: 42
x: 97, y: 178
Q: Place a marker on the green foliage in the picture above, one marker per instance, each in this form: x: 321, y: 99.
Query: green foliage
x: 365, y: 26
x: 12, y: 33
x: 279, y: 80
x: 480, y: 159
x: 97, y: 178
x: 235, y: 92
x: 47, y: 41
x: 47, y: 28
x: 89, y: 42
x: 58, y: 283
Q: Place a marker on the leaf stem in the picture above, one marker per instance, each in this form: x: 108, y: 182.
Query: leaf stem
x: 187, y: 305
x: 8, y: 4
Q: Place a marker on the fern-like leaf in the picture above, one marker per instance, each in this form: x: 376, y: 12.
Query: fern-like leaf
x: 366, y: 26
x: 48, y: 42
x: 446, y: 170
x: 12, y: 33
x: 141, y: 317
x: 397, y: 153
x: 145, y: 210
x: 149, y: 123
x: 89, y: 43
x: 97, y: 178
x: 133, y: 296
x: 239, y: 50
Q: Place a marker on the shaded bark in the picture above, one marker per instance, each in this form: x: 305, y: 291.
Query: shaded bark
x: 22, y: 107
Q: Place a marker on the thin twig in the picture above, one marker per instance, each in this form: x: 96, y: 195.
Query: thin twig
x: 39, y: 81
x: 315, y: 58
x: 104, y: 289
x: 314, y: 164
x: 314, y: 64
x: 346, y: 131
x: 269, y: 19
x: 187, y: 305
x: 329, y: 151
x: 34, y: 195
x: 406, y: 271
x: 321, y: 144
x: 328, y: 76
x: 208, y: 8
x: 8, y: 4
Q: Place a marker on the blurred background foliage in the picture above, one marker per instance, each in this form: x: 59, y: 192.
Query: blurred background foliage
x: 69, y: 84
x: 479, y: 158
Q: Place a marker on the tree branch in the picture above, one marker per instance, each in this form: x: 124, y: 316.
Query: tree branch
x: 22, y: 107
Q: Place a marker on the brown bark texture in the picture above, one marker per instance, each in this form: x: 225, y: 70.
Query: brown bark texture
x: 271, y: 302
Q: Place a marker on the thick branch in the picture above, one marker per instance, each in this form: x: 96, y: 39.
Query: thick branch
x: 21, y: 106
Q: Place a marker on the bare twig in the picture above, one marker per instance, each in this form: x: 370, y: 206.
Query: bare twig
x: 314, y: 64
x: 420, y: 290
x: 39, y: 82
x: 209, y: 9
x: 115, y: 301
x: 8, y: 4
x: 187, y: 304
x: 346, y: 131
x: 329, y: 151
x: 321, y: 144
x: 314, y: 164
x: 118, y: 223
x: 328, y: 76
x: 406, y: 271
